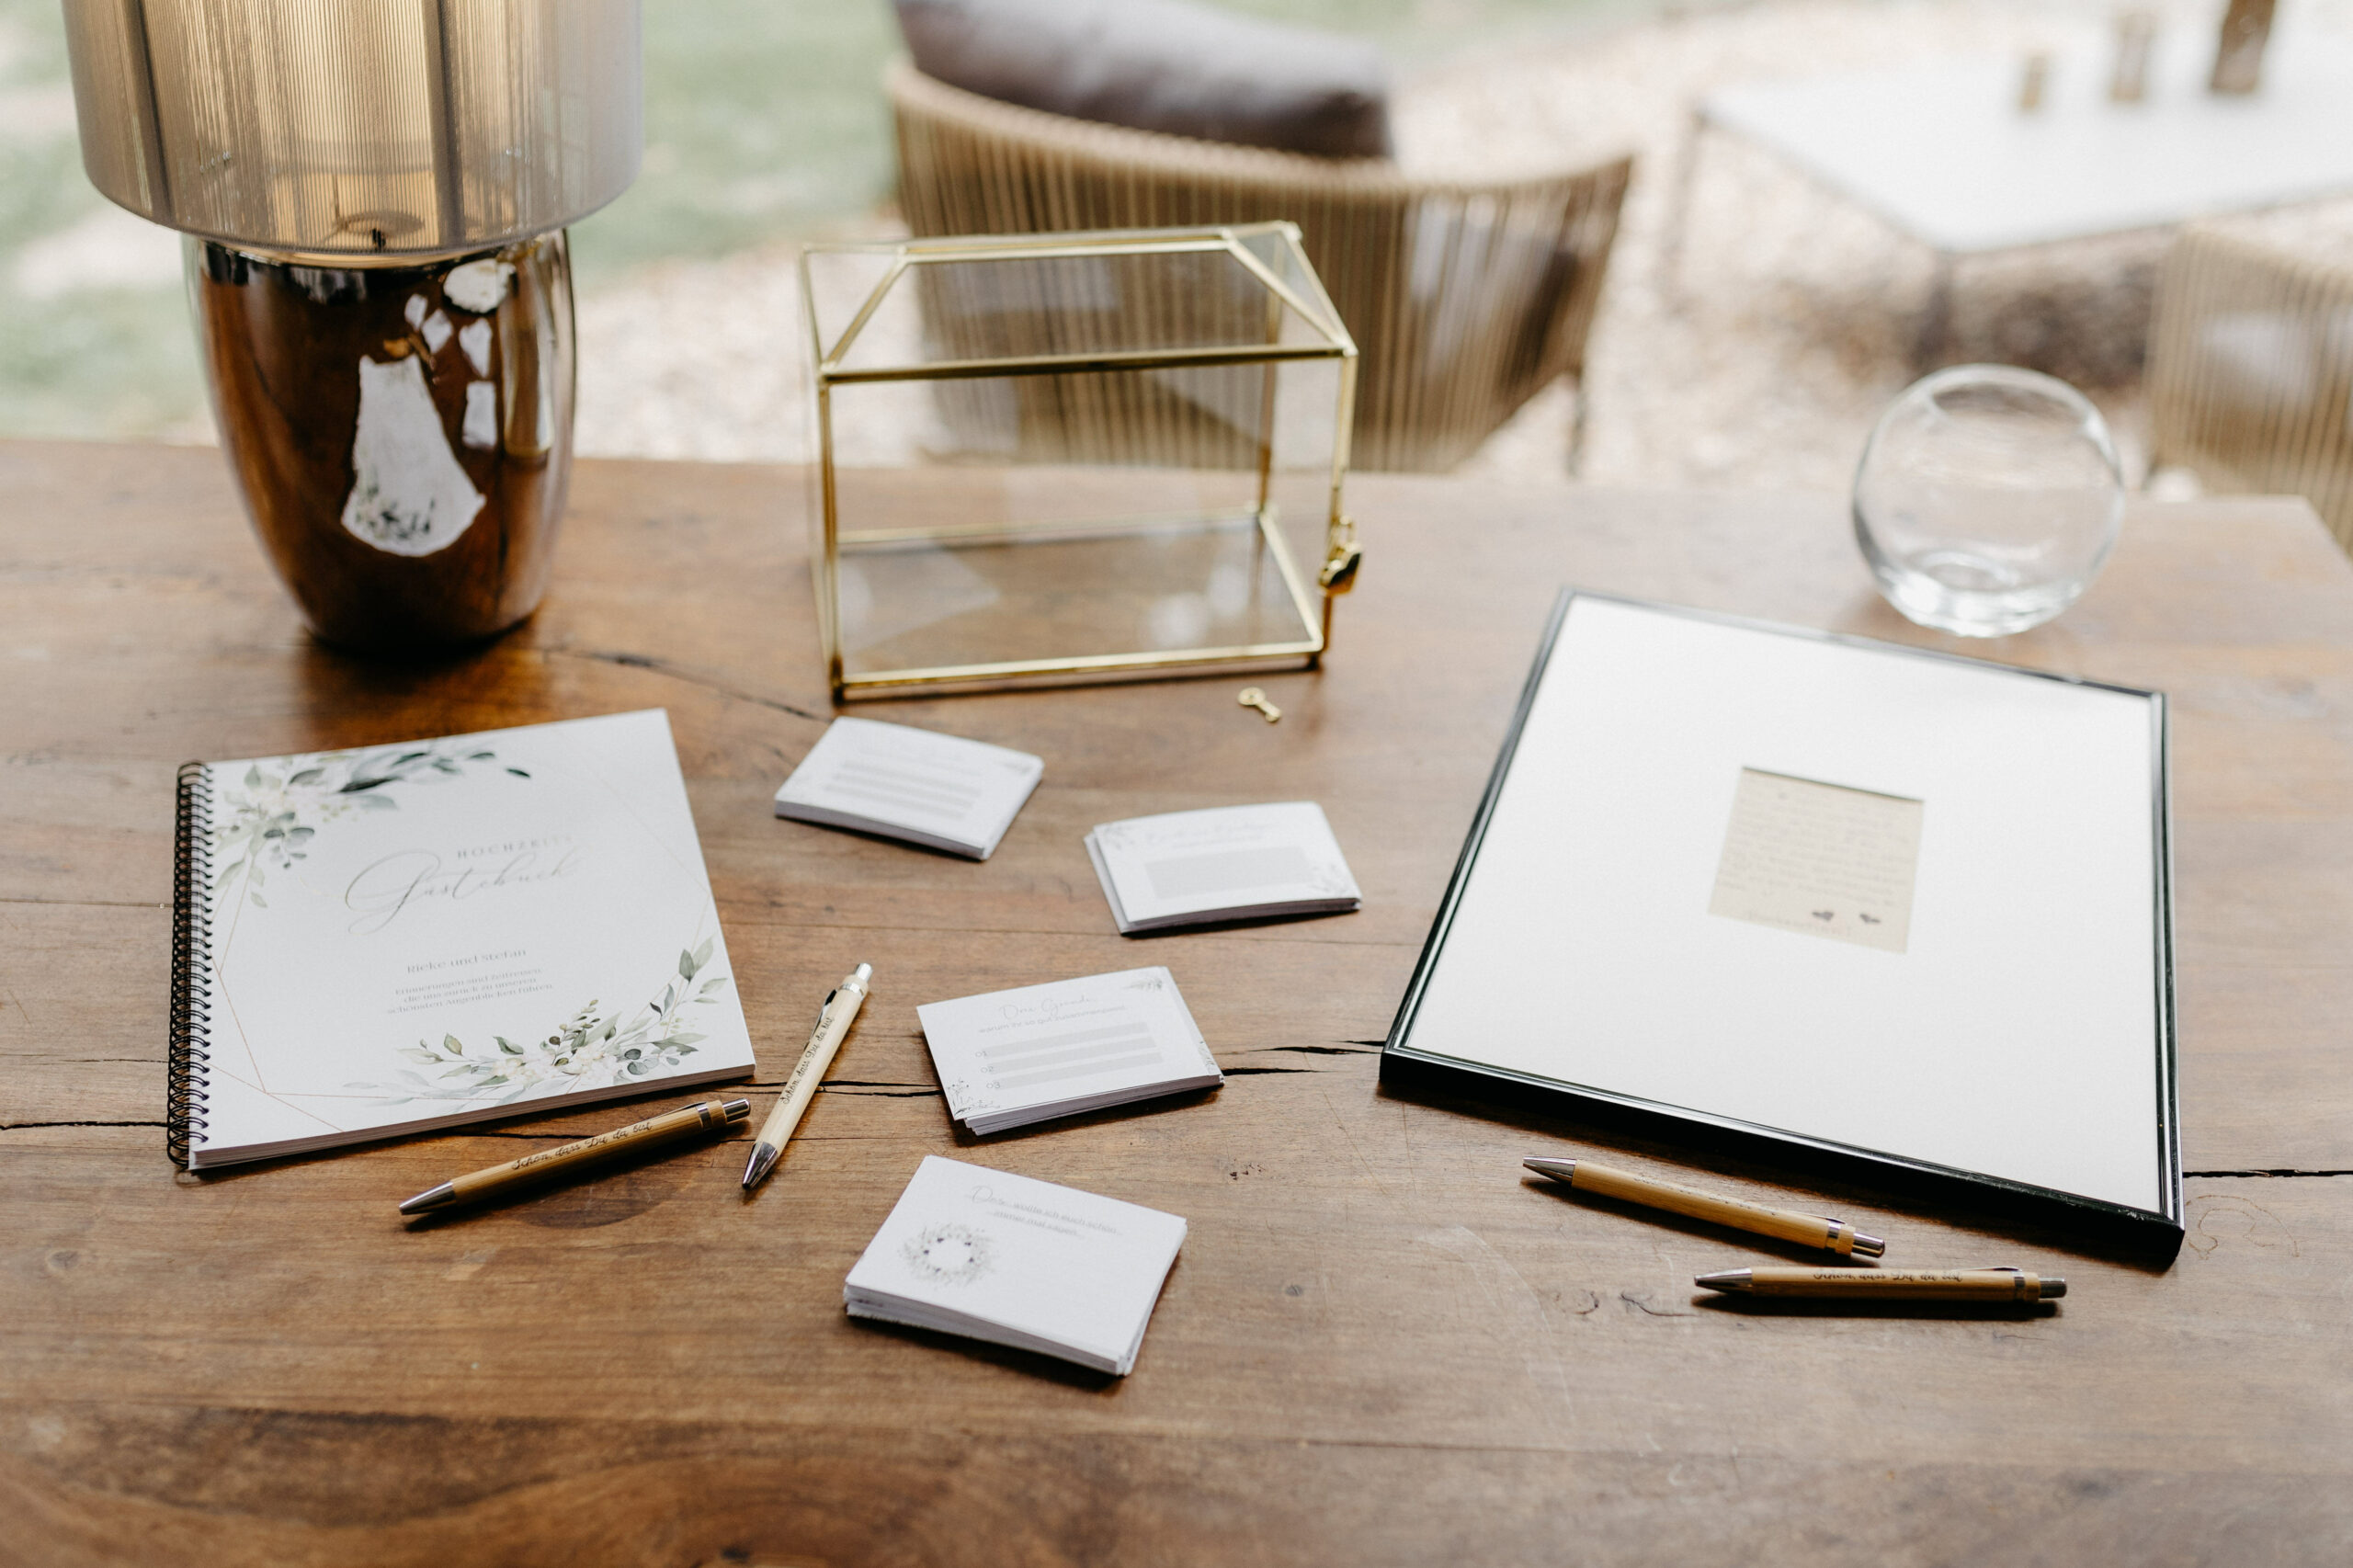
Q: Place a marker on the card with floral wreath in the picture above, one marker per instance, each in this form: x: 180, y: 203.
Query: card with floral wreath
x: 1017, y: 1261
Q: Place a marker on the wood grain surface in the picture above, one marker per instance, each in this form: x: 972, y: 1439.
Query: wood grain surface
x: 1384, y: 1342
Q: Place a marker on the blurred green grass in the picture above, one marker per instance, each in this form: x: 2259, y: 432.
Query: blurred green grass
x: 763, y: 123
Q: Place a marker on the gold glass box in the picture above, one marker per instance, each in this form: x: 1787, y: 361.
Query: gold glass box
x: 1077, y: 457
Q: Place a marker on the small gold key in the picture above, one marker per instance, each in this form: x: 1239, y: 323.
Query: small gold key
x: 1253, y: 697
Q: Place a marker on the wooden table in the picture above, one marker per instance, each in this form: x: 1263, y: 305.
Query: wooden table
x: 1379, y: 1345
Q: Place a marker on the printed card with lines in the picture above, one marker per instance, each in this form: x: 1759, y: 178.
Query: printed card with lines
x: 1227, y: 863
x: 941, y: 791
x: 1009, y: 1058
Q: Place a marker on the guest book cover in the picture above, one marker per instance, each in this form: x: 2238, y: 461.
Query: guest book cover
x: 1894, y: 906
x: 403, y: 937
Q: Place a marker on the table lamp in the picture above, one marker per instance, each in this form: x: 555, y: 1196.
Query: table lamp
x: 374, y: 194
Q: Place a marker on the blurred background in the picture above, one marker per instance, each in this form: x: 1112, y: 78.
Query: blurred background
x: 1794, y: 320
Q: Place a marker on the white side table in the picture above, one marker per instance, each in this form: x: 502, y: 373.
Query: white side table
x: 1943, y: 154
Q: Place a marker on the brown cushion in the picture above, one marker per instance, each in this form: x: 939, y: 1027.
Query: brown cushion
x: 1161, y: 65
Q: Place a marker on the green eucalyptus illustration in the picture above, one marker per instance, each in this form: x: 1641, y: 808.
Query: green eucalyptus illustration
x: 591, y: 1049
x: 266, y: 821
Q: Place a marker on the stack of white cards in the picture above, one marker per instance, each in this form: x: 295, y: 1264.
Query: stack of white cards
x: 938, y: 790
x: 1010, y: 1058
x: 1014, y: 1261
x: 1230, y: 863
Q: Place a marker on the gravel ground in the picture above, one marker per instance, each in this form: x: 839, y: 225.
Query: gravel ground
x: 1762, y: 365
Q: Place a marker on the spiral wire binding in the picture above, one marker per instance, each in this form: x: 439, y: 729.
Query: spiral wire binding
x: 191, y: 965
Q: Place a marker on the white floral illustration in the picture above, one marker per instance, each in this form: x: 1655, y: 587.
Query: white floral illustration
x: 949, y: 1254
x: 592, y: 1049
x: 267, y: 820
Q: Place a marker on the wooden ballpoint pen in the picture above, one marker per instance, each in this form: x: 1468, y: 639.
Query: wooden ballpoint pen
x: 699, y: 1118
x: 1807, y: 1230
x: 834, y: 1016
x: 2013, y: 1286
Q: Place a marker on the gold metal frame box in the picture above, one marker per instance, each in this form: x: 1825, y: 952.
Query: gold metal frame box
x: 1060, y: 457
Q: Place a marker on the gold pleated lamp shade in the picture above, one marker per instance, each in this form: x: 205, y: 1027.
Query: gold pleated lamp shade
x: 359, y: 128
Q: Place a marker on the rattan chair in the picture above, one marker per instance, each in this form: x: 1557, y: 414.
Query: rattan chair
x: 1465, y: 300
x: 2250, y: 364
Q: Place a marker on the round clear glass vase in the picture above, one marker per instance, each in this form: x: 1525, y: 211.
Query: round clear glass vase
x: 402, y: 434
x: 1987, y: 499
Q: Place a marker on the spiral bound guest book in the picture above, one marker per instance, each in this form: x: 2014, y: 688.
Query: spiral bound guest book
x: 399, y: 939
x: 1904, y: 912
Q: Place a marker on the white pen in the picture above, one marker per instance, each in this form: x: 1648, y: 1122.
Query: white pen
x: 834, y: 1019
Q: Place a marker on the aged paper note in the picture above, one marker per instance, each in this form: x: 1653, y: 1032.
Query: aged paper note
x: 1822, y: 858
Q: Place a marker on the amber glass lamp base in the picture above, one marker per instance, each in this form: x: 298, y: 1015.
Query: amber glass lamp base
x: 402, y: 435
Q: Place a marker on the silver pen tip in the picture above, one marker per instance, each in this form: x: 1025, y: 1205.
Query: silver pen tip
x: 2051, y: 1290
x: 432, y: 1198
x: 1728, y: 1280
x: 1869, y: 1246
x: 763, y: 1160
x: 1559, y: 1170
x: 733, y: 1111
x: 863, y: 974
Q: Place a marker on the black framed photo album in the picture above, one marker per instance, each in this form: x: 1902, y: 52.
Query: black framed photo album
x: 1899, y: 908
